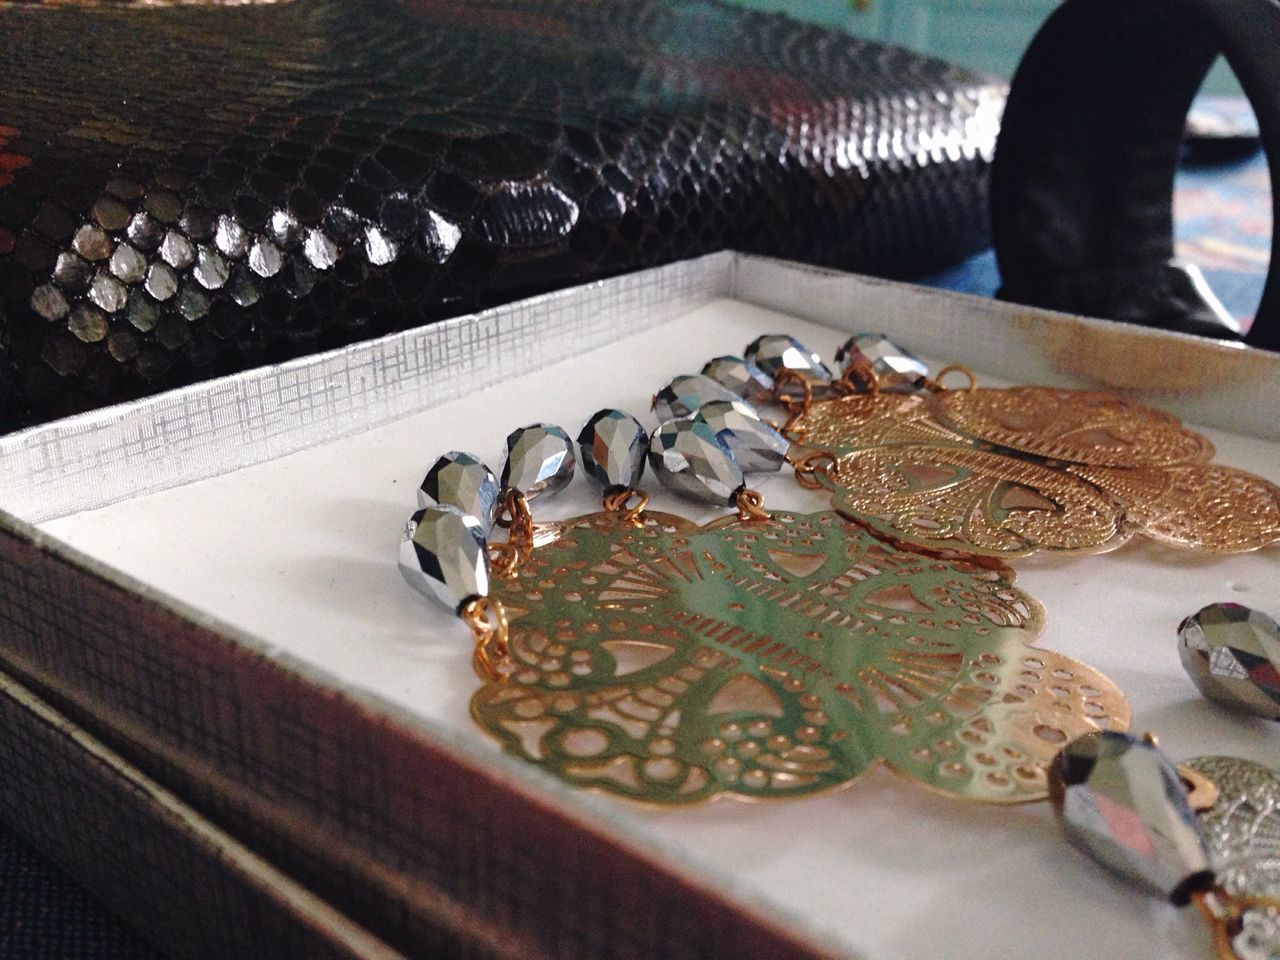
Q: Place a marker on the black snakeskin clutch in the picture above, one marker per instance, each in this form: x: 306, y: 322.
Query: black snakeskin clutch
x: 191, y: 190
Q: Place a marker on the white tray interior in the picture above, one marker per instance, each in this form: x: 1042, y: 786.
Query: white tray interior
x: 299, y: 550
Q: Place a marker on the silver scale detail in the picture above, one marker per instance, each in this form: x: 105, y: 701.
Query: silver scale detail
x: 1242, y: 831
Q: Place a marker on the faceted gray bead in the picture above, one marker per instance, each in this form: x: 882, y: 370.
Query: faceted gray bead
x: 540, y: 459
x: 443, y: 555
x: 774, y: 353
x: 740, y: 377
x: 756, y: 446
x: 685, y: 394
x: 1121, y: 801
x: 1233, y: 655
x: 688, y: 457
x: 874, y: 353
x: 461, y: 480
x: 613, y: 445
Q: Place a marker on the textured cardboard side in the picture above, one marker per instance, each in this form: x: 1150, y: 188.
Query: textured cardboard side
x: 187, y: 885
x: 431, y: 849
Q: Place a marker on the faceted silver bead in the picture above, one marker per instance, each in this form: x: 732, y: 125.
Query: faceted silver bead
x: 1233, y: 655
x: 873, y: 353
x: 613, y: 446
x: 741, y: 378
x: 685, y: 394
x: 461, y: 480
x: 774, y: 353
x: 443, y: 555
x: 540, y: 459
x: 1121, y: 801
x: 756, y: 446
x: 688, y: 457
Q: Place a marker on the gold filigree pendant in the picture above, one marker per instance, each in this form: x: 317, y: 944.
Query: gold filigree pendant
x: 766, y: 656
x: 1010, y: 472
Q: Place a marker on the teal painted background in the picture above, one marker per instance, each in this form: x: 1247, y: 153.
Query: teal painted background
x: 987, y: 34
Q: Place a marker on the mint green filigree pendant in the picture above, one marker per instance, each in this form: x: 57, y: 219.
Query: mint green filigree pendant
x: 772, y: 657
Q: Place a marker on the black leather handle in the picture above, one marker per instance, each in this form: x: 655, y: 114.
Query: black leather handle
x: 1082, y: 184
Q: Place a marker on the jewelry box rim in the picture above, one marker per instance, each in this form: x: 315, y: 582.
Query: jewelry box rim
x: 748, y: 274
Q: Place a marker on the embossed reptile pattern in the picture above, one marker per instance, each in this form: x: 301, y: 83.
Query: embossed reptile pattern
x: 187, y: 191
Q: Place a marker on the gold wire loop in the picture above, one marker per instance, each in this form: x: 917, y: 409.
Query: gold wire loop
x: 843, y: 388
x: 750, y: 505
x: 1224, y: 912
x: 626, y: 500
x: 513, y: 514
x: 1202, y: 793
x: 847, y: 384
x: 935, y: 385
x: 504, y: 560
x: 487, y: 619
x: 809, y: 463
x: 796, y: 408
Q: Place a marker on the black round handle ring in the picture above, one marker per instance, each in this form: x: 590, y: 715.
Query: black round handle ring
x: 1082, y: 184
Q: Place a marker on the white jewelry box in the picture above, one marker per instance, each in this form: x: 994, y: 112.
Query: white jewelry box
x: 206, y: 580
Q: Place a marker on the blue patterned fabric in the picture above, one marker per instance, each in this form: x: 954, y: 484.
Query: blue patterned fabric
x: 1223, y: 226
